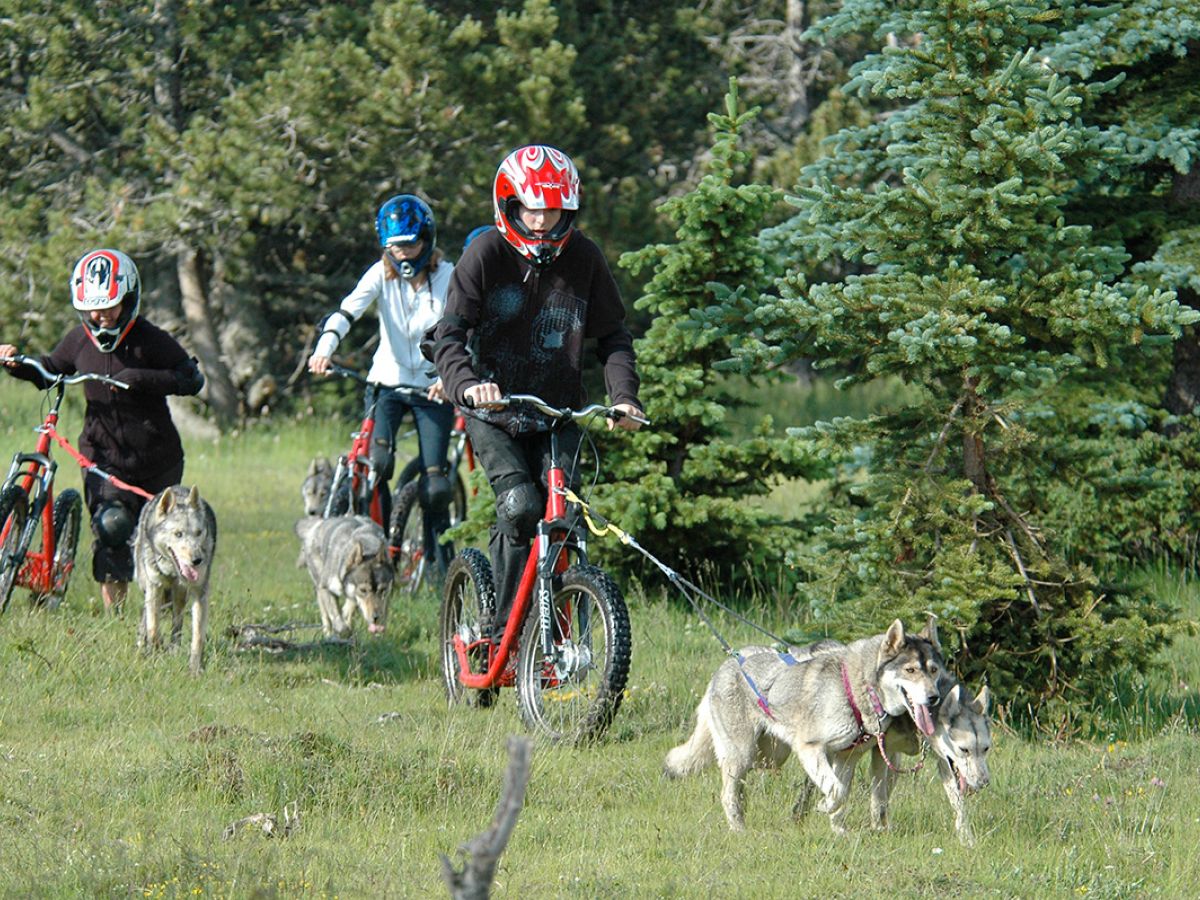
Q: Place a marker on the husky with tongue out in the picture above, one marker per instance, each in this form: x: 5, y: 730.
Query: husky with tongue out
x: 828, y: 708
x: 172, y: 557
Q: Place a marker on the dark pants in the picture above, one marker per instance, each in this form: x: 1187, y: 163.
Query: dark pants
x: 516, y: 468
x: 433, y: 421
x: 115, y: 563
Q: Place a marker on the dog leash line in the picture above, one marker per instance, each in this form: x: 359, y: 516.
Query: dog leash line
x: 90, y: 466
x: 600, y: 526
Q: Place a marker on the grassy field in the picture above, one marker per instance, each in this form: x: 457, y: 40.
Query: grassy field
x: 119, y: 774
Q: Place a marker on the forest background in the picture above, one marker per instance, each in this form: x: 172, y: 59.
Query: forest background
x: 992, y: 219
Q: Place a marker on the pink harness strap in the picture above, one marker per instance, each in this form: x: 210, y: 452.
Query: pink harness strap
x: 864, y: 736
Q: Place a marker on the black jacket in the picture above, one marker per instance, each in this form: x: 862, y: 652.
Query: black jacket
x: 523, y: 327
x: 127, y: 433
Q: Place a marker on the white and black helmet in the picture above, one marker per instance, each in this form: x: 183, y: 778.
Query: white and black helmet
x: 103, y: 279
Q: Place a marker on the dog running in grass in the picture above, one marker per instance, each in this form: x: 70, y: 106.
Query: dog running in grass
x: 825, y: 709
x: 173, y: 553
x: 960, y: 743
x: 347, y: 558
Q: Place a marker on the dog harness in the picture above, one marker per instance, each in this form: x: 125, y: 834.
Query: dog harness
x: 880, y: 714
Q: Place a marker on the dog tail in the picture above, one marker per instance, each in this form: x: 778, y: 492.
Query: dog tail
x: 694, y: 755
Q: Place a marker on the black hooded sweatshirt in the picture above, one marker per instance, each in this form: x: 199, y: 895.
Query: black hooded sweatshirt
x: 127, y: 433
x: 524, y: 326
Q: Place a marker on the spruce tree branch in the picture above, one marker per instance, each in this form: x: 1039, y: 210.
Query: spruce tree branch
x: 1016, y: 555
x: 937, y: 446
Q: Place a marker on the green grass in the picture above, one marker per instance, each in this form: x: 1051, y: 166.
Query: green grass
x: 119, y: 773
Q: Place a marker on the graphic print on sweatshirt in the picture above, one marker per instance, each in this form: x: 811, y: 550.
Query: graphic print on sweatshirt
x: 532, y: 348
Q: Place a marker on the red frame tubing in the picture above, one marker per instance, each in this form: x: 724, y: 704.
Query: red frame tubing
x: 37, y: 573
x: 499, y: 656
x: 556, y: 508
x: 37, y: 570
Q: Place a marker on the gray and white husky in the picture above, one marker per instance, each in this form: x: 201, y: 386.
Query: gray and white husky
x: 314, y: 490
x: 960, y: 742
x: 825, y: 708
x: 172, y: 557
x: 347, y: 557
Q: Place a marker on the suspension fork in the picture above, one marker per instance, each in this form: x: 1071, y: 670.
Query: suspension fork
x: 548, y: 529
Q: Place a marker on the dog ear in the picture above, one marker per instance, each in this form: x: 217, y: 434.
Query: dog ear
x: 929, y: 632
x: 893, y: 640
x: 982, y: 701
x: 952, y: 699
x: 165, y: 501
x: 355, y: 556
x: 193, y: 498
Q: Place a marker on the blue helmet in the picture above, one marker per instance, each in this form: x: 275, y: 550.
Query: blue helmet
x: 476, y: 232
x: 406, y: 219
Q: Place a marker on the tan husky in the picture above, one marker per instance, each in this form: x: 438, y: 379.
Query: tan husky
x: 826, y: 709
x: 347, y: 558
x: 960, y: 741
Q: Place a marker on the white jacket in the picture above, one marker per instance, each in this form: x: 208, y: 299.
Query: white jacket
x: 405, y: 314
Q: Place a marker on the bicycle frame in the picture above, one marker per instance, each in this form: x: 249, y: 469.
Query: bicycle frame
x: 541, y: 566
x: 360, y: 468
x: 35, y: 472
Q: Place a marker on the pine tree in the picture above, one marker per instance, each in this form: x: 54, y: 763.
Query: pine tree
x: 973, y: 289
x: 1134, y: 439
x: 686, y: 487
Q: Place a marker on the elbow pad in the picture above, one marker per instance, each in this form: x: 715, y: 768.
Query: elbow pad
x: 188, y: 378
x: 330, y: 332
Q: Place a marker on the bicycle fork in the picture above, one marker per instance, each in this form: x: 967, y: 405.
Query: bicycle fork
x: 35, y: 471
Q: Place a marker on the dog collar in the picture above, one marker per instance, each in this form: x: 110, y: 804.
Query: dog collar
x: 880, y: 713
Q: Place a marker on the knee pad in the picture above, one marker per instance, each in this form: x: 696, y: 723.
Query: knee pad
x: 435, y: 491
x: 113, y: 523
x: 518, y: 510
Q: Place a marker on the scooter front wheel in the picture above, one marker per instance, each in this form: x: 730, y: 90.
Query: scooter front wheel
x: 572, y: 694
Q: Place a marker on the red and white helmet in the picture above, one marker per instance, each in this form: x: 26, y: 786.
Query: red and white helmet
x: 536, y: 177
x: 103, y: 279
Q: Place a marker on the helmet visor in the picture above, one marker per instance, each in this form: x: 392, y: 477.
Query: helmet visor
x: 562, y: 227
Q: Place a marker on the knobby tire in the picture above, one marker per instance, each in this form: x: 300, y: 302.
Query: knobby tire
x: 14, y: 513
x: 407, y: 533
x: 468, y: 607
x: 573, y: 696
x: 68, y: 514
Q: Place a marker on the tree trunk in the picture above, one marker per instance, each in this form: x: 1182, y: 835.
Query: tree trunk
x: 220, y: 393
x: 1183, y: 387
x: 974, y: 458
x: 799, y: 77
